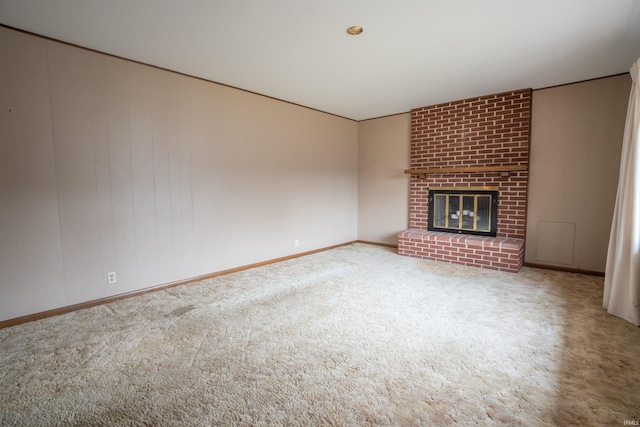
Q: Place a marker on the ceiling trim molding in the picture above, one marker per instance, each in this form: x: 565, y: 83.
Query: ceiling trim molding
x: 30, y: 33
x: 581, y: 81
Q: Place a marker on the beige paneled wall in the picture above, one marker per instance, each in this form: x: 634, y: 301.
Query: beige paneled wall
x: 108, y: 165
x: 383, y: 192
x: 576, y: 138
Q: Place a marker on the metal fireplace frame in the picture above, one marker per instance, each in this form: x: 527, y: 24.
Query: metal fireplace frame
x: 451, y: 192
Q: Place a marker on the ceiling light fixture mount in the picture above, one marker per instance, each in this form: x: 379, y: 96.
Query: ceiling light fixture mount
x: 355, y: 30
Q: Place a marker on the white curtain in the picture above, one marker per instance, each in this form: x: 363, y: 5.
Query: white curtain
x: 622, y: 273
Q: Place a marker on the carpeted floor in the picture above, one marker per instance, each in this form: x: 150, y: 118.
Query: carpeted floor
x: 353, y: 336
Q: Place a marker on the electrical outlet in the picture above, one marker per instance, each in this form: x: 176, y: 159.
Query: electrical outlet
x: 296, y: 243
x: 111, y: 277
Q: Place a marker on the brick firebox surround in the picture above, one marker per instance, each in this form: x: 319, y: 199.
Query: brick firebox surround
x: 484, y: 132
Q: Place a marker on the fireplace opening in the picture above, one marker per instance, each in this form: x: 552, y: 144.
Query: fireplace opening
x: 468, y: 211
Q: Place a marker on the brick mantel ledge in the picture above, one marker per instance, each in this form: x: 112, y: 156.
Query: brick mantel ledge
x: 497, y: 253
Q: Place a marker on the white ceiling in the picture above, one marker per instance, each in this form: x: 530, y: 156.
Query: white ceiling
x: 411, y: 53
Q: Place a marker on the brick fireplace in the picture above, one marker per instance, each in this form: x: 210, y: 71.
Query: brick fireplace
x: 473, y: 144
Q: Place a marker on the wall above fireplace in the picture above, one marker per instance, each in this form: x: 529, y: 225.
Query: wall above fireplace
x: 474, y: 142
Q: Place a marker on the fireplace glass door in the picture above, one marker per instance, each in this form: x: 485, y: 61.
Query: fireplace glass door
x: 463, y: 211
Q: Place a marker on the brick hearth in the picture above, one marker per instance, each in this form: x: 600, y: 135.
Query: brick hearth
x: 488, y: 131
x: 498, y: 253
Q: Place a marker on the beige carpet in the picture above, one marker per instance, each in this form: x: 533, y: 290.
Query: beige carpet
x: 349, y: 337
